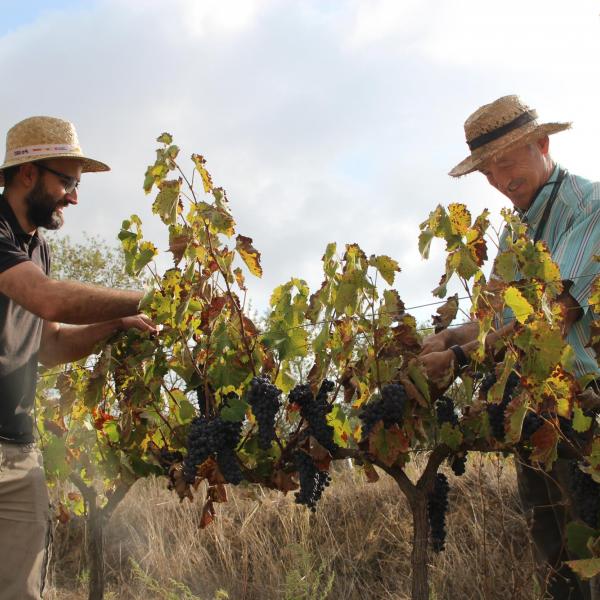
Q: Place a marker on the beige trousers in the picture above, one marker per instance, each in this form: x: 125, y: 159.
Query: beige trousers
x: 24, y: 522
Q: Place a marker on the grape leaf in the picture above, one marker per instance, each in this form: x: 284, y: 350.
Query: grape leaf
x: 446, y: 313
x: 167, y: 204
x: 586, y: 568
x: 249, y: 254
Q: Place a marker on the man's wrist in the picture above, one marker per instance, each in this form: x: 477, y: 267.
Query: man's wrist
x: 461, y: 360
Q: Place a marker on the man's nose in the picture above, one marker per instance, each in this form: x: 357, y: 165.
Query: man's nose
x: 502, y: 181
x: 71, y: 197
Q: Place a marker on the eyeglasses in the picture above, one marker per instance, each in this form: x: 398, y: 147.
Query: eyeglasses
x: 69, y: 183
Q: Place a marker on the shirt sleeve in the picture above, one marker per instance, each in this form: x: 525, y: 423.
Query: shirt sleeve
x: 576, y: 251
x: 10, y: 253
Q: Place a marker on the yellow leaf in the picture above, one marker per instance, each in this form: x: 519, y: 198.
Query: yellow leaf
x: 250, y: 255
x: 460, y: 218
x: 199, y: 161
x: 518, y: 303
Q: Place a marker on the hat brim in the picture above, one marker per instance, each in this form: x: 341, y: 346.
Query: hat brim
x: 88, y: 165
x: 507, y: 142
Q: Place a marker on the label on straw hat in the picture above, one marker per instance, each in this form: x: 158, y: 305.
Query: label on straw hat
x: 41, y: 150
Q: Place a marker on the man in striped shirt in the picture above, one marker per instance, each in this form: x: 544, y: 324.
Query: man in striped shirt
x: 511, y: 149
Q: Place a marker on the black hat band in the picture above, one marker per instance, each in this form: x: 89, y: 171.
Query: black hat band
x: 490, y: 136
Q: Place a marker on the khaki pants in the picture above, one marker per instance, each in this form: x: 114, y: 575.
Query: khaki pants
x: 24, y: 522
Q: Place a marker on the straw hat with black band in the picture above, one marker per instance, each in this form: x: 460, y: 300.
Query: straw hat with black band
x: 498, y: 127
x: 42, y: 138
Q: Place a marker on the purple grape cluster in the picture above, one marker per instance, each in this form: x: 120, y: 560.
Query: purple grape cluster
x: 458, y: 463
x: 496, y: 412
x: 217, y: 438
x: 314, y: 410
x: 585, y: 493
x: 437, y: 506
x: 264, y: 399
x: 444, y: 408
x: 389, y: 408
x: 312, y: 481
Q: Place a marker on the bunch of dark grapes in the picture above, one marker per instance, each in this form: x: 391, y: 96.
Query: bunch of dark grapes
x: 314, y: 411
x: 586, y: 495
x: 389, y: 408
x: 444, y: 408
x: 264, y: 398
x: 201, y: 399
x: 458, y: 463
x: 217, y: 438
x: 497, y: 411
x: 531, y: 423
x: 312, y: 481
x: 437, y: 506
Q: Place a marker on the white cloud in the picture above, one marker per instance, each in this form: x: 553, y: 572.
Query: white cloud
x: 323, y: 120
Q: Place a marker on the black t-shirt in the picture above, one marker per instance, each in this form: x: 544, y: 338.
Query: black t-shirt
x: 20, y: 332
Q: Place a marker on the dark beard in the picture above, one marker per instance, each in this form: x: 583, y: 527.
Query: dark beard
x: 41, y: 208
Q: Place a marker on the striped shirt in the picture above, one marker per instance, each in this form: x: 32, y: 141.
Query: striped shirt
x: 572, y: 233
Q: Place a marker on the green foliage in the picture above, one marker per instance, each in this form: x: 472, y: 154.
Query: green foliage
x: 308, y: 577
x: 91, y: 261
x: 172, y: 590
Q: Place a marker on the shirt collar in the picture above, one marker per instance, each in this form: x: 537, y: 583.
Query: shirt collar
x: 534, y: 213
x: 7, y: 212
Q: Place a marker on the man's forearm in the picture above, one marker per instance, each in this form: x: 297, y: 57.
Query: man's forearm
x: 70, y: 343
x: 79, y: 303
x: 490, y: 341
x: 461, y: 335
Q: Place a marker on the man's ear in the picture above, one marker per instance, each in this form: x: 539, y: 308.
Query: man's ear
x: 28, y: 174
x: 543, y: 144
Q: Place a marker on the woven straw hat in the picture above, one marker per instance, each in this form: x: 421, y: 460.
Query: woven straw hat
x: 500, y: 126
x: 38, y: 138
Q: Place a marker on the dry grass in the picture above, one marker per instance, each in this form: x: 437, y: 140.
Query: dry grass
x: 265, y: 547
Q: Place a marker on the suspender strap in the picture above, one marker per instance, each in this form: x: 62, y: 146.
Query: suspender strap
x: 542, y: 224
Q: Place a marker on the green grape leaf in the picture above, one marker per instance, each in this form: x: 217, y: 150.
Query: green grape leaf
x: 578, y: 536
x: 342, y: 430
x: 585, y: 568
x: 451, y: 436
x: 387, y: 266
x: 425, y: 238
x: 505, y: 266
x: 581, y: 423
x: 387, y: 444
x: 165, y: 138
x: 416, y: 371
x: 111, y: 429
x: 55, y: 457
x: 234, y: 409
x: 168, y: 204
x: 515, y: 412
x: 346, y: 299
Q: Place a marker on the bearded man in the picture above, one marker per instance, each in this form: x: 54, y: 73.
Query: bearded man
x: 511, y: 149
x: 40, y: 175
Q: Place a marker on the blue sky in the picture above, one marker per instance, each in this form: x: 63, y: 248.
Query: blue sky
x: 21, y: 13
x: 324, y: 120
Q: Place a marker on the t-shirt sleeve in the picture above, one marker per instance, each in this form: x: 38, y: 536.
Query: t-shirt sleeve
x: 576, y: 251
x: 10, y: 253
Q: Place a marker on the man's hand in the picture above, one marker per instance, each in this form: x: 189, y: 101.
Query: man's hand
x: 141, y: 322
x: 439, y: 366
